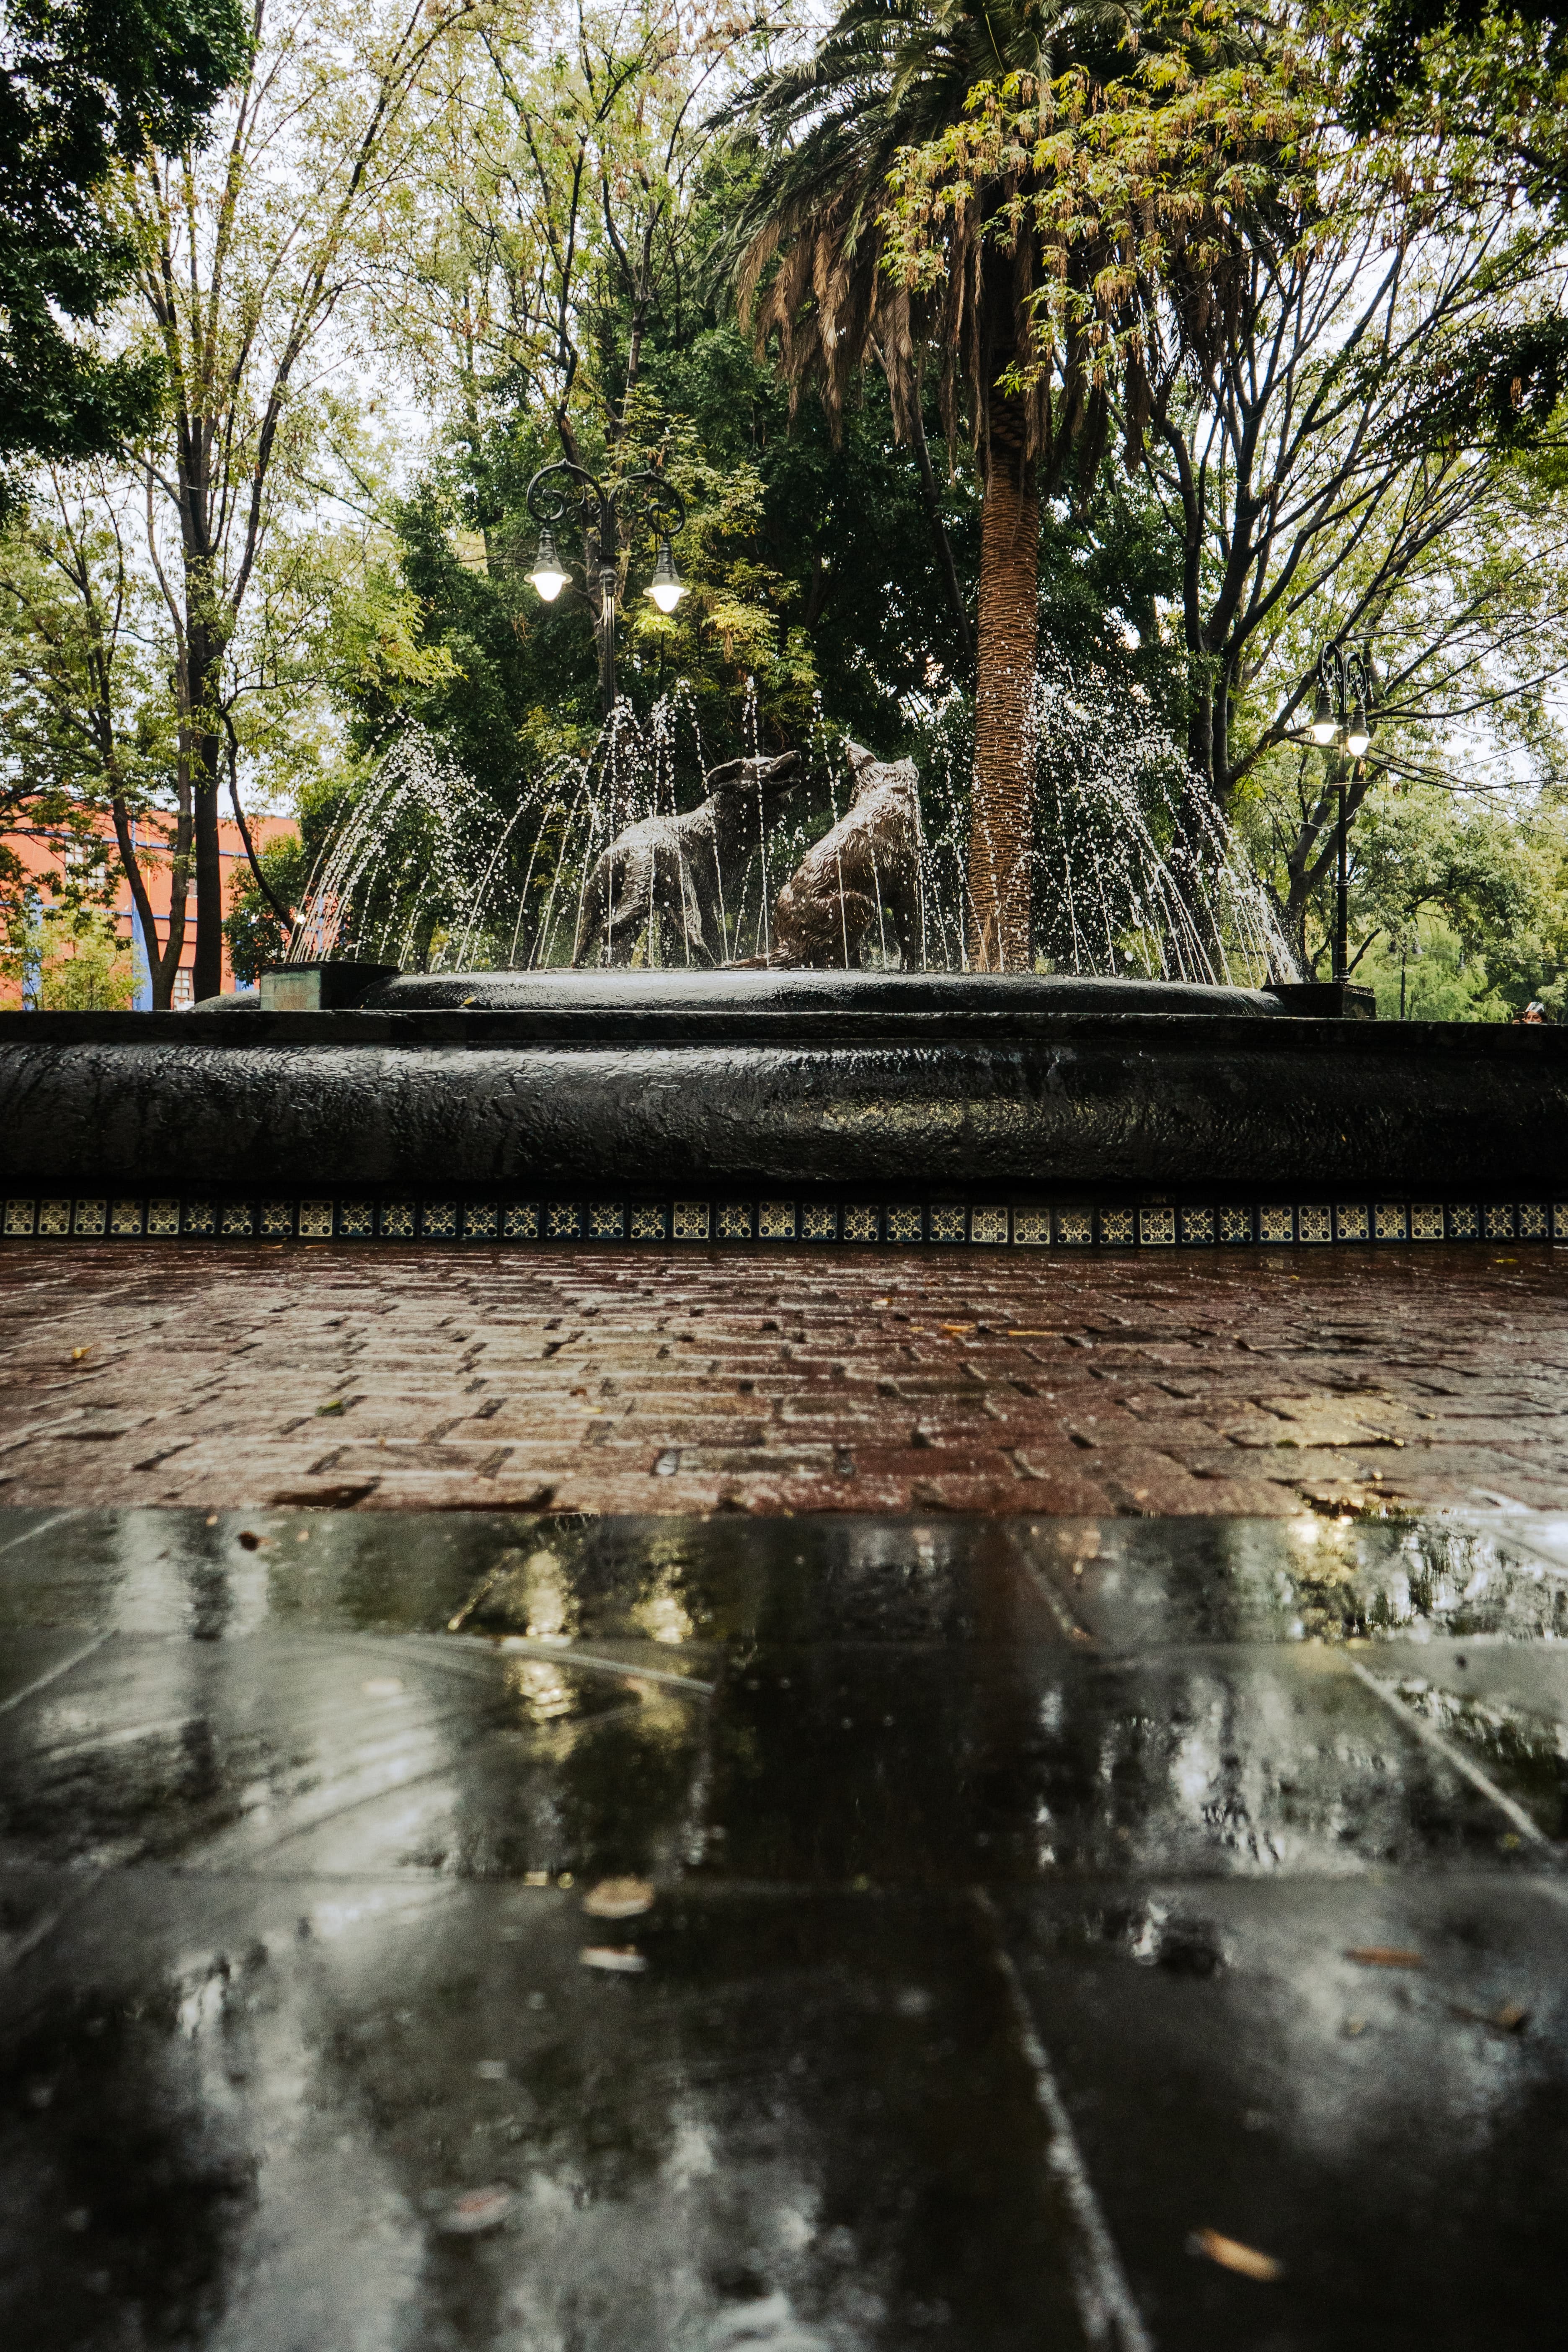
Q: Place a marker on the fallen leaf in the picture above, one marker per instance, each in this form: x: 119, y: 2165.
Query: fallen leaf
x: 1384, y: 1955
x: 618, y: 1898
x: 1510, y: 2019
x: 616, y: 1959
x: 1232, y: 2255
x: 78, y: 1353
x: 477, y: 2210
x: 323, y: 1410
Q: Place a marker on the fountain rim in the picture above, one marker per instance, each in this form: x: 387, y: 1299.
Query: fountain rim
x: 727, y: 991
x: 791, y: 1033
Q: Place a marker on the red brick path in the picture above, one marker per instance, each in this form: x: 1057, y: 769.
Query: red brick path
x: 611, y: 1381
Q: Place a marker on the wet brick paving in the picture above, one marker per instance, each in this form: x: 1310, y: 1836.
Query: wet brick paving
x: 458, y: 1929
x: 1262, y: 1382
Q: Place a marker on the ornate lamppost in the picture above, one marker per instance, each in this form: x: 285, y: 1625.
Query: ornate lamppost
x: 1342, y: 720
x: 551, y: 493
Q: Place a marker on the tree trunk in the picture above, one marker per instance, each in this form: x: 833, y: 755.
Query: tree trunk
x: 207, y: 976
x: 164, y: 962
x: 206, y: 752
x: 1002, y: 820
x: 1208, y: 724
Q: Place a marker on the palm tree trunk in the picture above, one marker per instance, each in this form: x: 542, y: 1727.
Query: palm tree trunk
x: 1002, y: 821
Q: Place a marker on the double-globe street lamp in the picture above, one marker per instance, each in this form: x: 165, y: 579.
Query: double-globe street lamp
x: 1341, y: 719
x: 551, y: 493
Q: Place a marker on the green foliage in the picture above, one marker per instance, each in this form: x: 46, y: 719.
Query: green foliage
x: 255, y: 935
x: 811, y: 568
x: 1109, y: 565
x: 1500, y: 387
x: 1487, y: 70
x: 1465, y: 895
x: 66, y: 958
x: 846, y: 523
x: 84, y: 701
x: 1429, y: 976
x: 86, y: 83
x: 1424, y: 848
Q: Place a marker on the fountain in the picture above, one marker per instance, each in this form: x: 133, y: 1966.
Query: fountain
x: 663, y: 1001
x: 427, y: 872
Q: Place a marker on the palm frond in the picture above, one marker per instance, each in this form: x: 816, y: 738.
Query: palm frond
x: 806, y: 250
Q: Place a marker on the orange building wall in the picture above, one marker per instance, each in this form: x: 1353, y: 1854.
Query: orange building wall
x: 41, y: 853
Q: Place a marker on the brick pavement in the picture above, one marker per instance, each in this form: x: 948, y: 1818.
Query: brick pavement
x: 613, y: 1380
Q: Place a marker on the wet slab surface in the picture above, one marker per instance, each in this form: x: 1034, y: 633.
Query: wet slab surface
x: 461, y: 1930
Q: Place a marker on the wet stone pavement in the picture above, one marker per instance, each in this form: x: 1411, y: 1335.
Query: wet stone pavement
x: 1259, y: 1383
x: 565, y: 1935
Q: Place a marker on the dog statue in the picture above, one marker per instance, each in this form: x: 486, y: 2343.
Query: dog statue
x: 872, y: 857
x: 682, y: 870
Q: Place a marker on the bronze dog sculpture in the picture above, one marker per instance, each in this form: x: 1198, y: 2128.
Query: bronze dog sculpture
x: 872, y: 857
x: 682, y: 871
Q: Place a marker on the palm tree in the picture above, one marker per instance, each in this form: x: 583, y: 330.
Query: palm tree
x: 891, y: 75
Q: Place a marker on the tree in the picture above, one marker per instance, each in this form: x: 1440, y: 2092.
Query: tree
x: 548, y: 284
x: 257, y: 936
x: 88, y: 706
x: 1481, y: 77
x: 87, y: 713
x: 68, y: 958
x: 810, y: 248
x: 1291, y: 330
x: 545, y: 266
x: 1471, y: 633
x: 246, y: 260
x: 1458, y: 904
x: 86, y: 85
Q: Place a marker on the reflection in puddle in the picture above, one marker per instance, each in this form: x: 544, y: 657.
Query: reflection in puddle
x: 544, y: 1691
x: 560, y: 1934
x: 1525, y: 1753
x: 1137, y: 1583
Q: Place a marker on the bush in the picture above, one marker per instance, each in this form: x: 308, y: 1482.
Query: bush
x: 256, y: 936
x: 68, y: 960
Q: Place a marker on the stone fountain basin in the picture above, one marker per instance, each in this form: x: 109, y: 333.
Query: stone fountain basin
x: 726, y: 995
x: 915, y: 1087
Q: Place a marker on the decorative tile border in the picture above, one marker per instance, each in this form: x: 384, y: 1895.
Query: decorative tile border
x: 454, y: 1218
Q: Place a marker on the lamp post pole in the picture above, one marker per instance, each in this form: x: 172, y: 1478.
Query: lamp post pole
x: 1341, y: 721
x: 548, y: 496
x: 1341, y: 890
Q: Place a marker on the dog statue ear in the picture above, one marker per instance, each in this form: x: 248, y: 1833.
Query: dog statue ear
x: 751, y: 773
